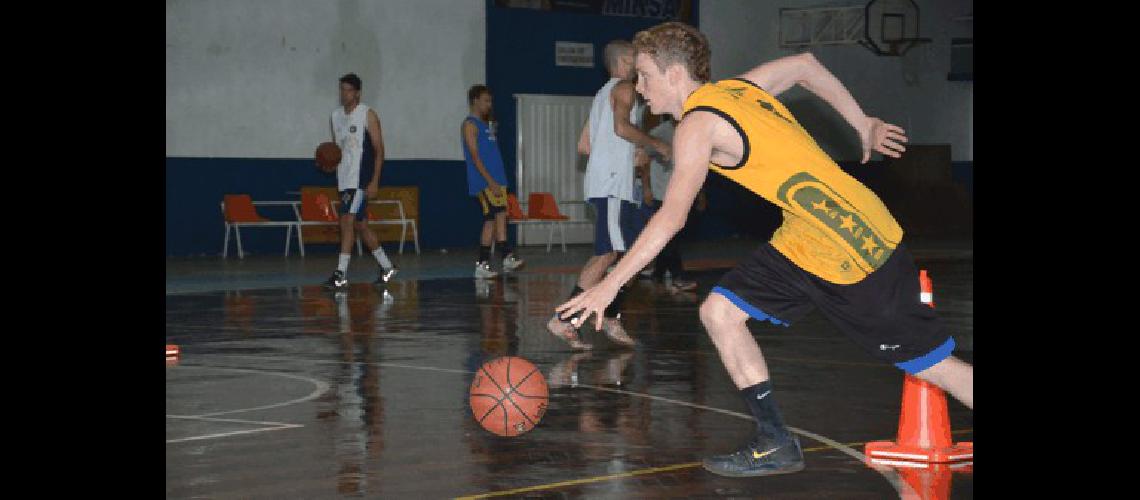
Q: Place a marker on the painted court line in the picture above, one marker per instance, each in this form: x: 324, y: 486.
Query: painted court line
x: 271, y: 426
x: 320, y: 388
x: 621, y: 475
x: 890, y: 475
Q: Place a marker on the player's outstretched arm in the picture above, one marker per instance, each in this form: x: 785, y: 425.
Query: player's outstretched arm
x: 805, y: 70
x: 693, y: 143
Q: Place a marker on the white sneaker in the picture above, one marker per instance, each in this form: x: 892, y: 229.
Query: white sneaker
x: 616, y: 333
x: 510, y: 263
x: 566, y: 331
x: 482, y: 288
x: 483, y: 270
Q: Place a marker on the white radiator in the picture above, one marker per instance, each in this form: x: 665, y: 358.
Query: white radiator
x: 548, y: 160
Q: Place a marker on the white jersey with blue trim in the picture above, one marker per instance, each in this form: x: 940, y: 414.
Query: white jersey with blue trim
x: 356, y: 151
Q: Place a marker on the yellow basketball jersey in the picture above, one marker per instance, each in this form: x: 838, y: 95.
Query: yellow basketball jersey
x: 834, y: 227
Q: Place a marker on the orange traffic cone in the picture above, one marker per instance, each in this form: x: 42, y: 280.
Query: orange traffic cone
x: 172, y: 354
x: 924, y: 429
x: 924, y: 422
x: 928, y: 481
x: 926, y: 288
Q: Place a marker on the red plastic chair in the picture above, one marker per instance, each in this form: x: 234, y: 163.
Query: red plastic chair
x: 238, y: 210
x: 316, y: 207
x: 514, y: 210
x: 541, y: 207
x: 550, y: 208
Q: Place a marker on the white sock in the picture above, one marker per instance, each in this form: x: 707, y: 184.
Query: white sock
x: 342, y: 265
x: 382, y: 258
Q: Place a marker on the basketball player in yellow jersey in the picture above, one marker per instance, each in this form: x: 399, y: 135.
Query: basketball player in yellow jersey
x: 838, y: 250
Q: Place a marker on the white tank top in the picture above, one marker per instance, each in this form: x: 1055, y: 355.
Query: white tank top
x: 351, y: 135
x: 609, y: 170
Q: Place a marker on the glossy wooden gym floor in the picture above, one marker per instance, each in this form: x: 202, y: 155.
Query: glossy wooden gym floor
x: 291, y: 391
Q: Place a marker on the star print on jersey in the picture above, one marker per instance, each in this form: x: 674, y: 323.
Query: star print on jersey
x: 815, y: 199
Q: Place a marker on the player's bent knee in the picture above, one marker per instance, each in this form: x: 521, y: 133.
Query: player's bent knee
x: 932, y: 375
x: 945, y: 371
x: 718, y: 311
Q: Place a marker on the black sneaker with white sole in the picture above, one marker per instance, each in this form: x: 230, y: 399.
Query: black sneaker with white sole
x: 337, y: 281
x: 759, y: 458
x: 385, y: 276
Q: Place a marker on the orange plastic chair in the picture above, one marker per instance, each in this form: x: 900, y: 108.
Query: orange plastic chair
x: 238, y: 211
x: 550, y: 208
x: 317, y: 207
x: 316, y: 210
x: 514, y: 210
x: 239, y: 208
x: 543, y: 207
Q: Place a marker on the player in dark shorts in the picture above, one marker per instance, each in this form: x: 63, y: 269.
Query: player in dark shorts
x: 839, y: 248
x: 356, y: 129
x: 610, y: 139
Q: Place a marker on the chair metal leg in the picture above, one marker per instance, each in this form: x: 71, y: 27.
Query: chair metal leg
x: 403, y: 235
x: 416, y: 237
x: 237, y: 232
x: 562, y: 232
x: 288, y: 236
x: 550, y: 237
x: 300, y: 241
x: 226, y: 242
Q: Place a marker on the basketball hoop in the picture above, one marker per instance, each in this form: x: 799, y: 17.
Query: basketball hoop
x: 890, y: 27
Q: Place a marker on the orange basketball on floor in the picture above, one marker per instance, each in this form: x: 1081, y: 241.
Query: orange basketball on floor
x: 508, y: 396
x: 328, y: 157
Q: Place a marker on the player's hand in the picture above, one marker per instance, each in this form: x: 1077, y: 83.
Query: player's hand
x: 372, y: 190
x: 640, y: 158
x: 498, y: 189
x: 647, y: 197
x: 665, y: 151
x: 591, y: 302
x: 882, y: 137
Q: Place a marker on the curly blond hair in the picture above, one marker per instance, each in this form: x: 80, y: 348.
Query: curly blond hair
x: 676, y: 43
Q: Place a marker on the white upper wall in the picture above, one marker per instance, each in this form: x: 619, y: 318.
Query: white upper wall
x: 910, y: 91
x: 259, y: 79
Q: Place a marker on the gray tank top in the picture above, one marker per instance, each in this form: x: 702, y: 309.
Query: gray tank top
x: 609, y: 170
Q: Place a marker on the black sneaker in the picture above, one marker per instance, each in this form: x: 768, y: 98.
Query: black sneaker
x: 682, y: 285
x: 337, y: 281
x: 759, y: 458
x: 385, y: 276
